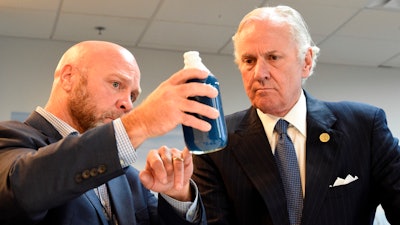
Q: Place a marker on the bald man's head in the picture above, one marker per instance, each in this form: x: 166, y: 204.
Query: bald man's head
x: 87, y: 53
x: 94, y: 81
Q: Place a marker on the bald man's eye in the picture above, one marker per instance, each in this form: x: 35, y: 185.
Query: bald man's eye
x: 133, y: 98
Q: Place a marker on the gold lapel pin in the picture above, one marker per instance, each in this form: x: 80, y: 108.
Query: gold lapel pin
x: 324, y: 137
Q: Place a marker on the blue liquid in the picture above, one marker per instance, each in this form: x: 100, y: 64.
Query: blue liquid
x: 199, y: 142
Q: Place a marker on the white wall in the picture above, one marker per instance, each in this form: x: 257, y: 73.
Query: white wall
x: 27, y: 65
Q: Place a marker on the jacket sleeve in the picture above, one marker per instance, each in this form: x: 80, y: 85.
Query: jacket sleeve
x: 38, y: 173
x: 386, y: 167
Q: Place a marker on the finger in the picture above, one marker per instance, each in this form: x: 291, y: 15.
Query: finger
x: 184, y: 75
x: 166, y: 156
x: 192, y: 106
x: 188, y: 163
x: 147, y: 179
x: 179, y: 175
x: 155, y: 166
x: 195, y: 122
x: 187, y: 156
x: 193, y: 89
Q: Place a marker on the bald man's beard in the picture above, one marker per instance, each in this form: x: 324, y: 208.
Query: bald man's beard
x: 82, y: 109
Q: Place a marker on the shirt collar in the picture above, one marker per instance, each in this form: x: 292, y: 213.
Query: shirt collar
x: 296, y: 117
x: 62, y: 127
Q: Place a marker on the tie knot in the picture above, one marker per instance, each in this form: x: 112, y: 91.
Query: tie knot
x: 281, y: 126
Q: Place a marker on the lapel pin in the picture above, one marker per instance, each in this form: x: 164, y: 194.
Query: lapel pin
x: 324, y: 137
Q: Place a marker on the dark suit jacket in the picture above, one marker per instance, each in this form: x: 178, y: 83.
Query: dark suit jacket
x: 46, y: 180
x: 241, y: 184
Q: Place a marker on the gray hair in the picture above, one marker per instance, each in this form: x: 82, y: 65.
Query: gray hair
x: 286, y: 15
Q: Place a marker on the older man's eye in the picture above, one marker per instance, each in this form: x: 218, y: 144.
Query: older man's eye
x: 115, y: 84
x: 248, y: 61
x: 273, y: 57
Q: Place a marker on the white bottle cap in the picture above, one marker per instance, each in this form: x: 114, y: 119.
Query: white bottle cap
x: 192, y: 60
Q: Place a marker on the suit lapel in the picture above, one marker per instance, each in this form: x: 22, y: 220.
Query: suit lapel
x: 51, y: 135
x: 247, y: 140
x: 95, y: 202
x: 121, y: 198
x: 320, y: 156
x: 119, y: 193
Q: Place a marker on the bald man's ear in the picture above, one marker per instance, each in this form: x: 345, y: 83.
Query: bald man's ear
x: 67, y: 78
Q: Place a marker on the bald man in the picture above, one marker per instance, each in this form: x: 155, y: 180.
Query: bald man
x: 69, y: 162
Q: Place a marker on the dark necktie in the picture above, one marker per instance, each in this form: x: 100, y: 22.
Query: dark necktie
x: 286, y: 159
x: 102, y: 193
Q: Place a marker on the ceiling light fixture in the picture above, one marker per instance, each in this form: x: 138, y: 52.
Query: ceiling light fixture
x: 100, y: 29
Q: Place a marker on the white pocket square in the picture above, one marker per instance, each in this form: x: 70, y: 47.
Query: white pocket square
x: 340, y: 181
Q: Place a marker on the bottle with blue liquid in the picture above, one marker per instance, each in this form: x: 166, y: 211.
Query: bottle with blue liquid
x: 199, y: 142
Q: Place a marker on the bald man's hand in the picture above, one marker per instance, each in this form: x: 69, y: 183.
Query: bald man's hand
x: 168, y: 106
x: 168, y: 171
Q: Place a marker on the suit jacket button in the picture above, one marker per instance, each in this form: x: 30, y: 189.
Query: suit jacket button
x: 86, y: 174
x: 93, y: 172
x: 78, y: 178
x: 102, y: 169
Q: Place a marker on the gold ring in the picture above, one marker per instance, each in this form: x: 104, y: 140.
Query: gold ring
x: 177, y: 158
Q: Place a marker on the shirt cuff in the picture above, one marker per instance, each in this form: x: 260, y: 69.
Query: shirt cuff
x: 126, y: 152
x: 188, y: 210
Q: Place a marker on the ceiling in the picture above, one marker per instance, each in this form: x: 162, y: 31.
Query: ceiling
x: 347, y: 31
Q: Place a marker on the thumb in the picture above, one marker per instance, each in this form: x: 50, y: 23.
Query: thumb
x: 147, y: 179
